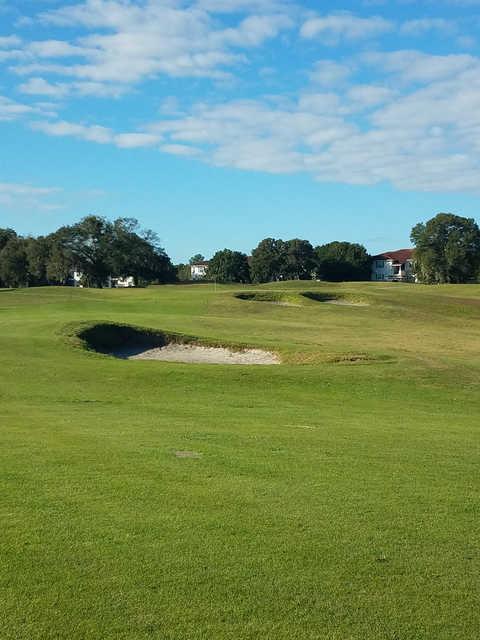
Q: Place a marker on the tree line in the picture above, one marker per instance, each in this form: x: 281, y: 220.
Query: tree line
x: 447, y: 250
x: 275, y: 259
x: 94, y: 247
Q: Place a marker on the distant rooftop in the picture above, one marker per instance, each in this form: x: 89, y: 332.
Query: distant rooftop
x: 400, y: 255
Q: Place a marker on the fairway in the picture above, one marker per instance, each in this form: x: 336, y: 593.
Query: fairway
x: 332, y: 497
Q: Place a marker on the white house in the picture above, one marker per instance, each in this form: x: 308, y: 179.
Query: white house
x: 394, y: 266
x: 198, y: 270
x: 111, y: 281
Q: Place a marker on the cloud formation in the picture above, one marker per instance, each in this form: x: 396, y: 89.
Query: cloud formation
x: 402, y: 115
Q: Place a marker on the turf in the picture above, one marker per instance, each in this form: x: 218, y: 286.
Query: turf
x: 335, y: 496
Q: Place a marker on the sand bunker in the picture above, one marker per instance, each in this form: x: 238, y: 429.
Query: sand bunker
x: 136, y: 343
x: 189, y: 353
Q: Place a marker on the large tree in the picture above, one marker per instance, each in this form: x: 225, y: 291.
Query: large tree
x: 137, y: 252
x: 5, y: 236
x: 299, y: 260
x: 14, y: 263
x: 38, y: 254
x: 229, y: 266
x: 447, y: 249
x: 268, y: 260
x: 60, y: 262
x: 342, y: 261
x: 89, y: 243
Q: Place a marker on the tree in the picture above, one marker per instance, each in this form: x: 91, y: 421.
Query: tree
x: 14, y: 263
x: 229, y: 266
x: 38, y: 255
x: 196, y: 258
x: 90, y: 244
x: 268, y: 260
x: 342, y: 261
x: 5, y: 236
x: 60, y: 262
x: 183, y: 272
x: 135, y: 252
x: 299, y: 260
x: 447, y: 249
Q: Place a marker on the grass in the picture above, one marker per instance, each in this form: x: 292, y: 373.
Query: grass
x: 335, y: 496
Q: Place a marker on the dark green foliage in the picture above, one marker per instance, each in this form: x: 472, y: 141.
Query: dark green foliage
x: 5, y: 236
x: 268, y: 260
x: 447, y: 249
x: 229, y: 266
x: 94, y: 246
x: 60, y: 260
x: 282, y: 260
x: 198, y: 257
x: 38, y: 255
x: 342, y: 261
x: 14, y: 263
x: 299, y: 260
x: 135, y: 252
x: 183, y: 272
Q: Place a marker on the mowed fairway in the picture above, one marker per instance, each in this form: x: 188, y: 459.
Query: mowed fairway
x: 335, y: 496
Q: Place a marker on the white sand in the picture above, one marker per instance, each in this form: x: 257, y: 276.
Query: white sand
x: 203, y: 355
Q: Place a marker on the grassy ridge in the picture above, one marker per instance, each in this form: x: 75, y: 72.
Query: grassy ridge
x: 333, y: 499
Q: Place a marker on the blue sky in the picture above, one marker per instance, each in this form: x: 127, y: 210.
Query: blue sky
x: 219, y: 122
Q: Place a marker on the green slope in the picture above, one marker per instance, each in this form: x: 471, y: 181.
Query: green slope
x: 335, y: 497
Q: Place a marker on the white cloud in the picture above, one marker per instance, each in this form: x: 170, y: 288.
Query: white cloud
x: 333, y: 28
x: 96, y: 133
x: 330, y: 73
x: 126, y: 42
x: 134, y: 140
x: 415, y: 66
x: 180, y: 150
x: 420, y: 26
x: 40, y: 87
x: 17, y: 195
x: 367, y: 95
x: 54, y: 49
x: 7, y: 42
x: 92, y: 133
x: 11, y: 110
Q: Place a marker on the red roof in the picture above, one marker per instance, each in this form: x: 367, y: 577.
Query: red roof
x: 402, y: 255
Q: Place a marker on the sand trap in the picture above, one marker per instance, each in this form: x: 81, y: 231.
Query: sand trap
x: 188, y: 353
x: 345, y: 303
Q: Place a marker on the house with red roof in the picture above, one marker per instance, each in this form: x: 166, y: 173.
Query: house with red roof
x: 394, y: 266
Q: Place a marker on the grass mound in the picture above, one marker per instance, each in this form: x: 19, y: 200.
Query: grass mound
x: 335, y: 298
x: 272, y: 297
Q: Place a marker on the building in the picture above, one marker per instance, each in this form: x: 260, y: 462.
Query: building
x: 198, y: 270
x: 117, y: 282
x: 394, y: 266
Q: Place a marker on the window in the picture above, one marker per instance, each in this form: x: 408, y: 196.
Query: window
x: 380, y: 264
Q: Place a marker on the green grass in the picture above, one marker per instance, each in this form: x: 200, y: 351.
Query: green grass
x: 336, y: 496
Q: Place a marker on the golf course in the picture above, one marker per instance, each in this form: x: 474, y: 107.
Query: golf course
x: 333, y: 495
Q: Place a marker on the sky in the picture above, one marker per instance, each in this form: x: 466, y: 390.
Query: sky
x: 217, y: 123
